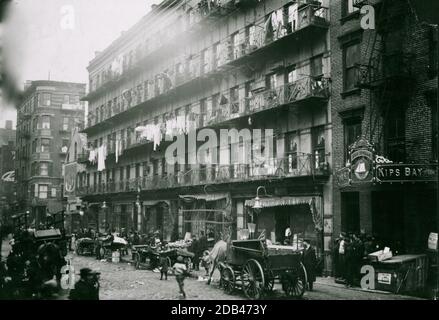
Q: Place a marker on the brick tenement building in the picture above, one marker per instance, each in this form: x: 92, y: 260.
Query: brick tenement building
x: 189, y: 65
x: 384, y: 88
x: 7, y: 183
x: 47, y: 114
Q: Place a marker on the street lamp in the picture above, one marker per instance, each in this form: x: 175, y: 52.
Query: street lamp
x: 257, y: 206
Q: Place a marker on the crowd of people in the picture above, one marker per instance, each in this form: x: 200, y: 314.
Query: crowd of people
x: 350, y: 253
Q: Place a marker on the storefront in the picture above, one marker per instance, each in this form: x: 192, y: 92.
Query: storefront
x: 392, y: 204
x: 301, y: 214
x: 157, y: 217
x: 208, y: 214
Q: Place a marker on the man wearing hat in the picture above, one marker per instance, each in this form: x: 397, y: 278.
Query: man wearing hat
x: 309, y: 261
x: 87, y: 288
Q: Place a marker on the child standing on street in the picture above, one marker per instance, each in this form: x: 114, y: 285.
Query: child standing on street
x: 205, y: 261
x: 181, y: 272
x: 164, y: 266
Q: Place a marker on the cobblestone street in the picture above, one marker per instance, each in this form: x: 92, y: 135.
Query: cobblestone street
x: 122, y: 282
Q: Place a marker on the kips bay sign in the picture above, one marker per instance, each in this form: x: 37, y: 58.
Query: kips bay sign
x: 405, y: 172
x: 365, y: 166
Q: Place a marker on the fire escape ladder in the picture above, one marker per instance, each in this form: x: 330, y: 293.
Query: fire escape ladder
x: 373, y: 71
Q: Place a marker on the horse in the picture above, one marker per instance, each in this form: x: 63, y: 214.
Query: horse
x: 218, y: 255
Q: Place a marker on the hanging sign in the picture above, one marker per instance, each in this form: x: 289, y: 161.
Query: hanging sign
x: 406, y: 172
x: 361, y: 161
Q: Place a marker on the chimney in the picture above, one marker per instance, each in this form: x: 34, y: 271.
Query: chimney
x: 8, y: 124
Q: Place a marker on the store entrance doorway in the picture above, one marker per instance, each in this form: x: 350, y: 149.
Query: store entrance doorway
x: 350, y: 212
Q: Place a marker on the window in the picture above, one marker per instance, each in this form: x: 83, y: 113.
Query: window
x: 102, y: 114
x: 317, y: 67
x: 235, y: 46
x: 248, y: 95
x: 35, y: 123
x: 44, y: 169
x: 121, y: 174
x: 215, y: 55
x: 352, y: 131
x: 234, y: 100
x: 137, y: 170
x: 45, y: 122
x: 42, y: 191
x: 53, y: 194
x: 351, y: 56
x: 75, y: 99
x: 34, y: 146
x: 204, y: 62
x: 250, y: 36
x: 318, y: 146
x: 292, y: 142
x: 395, y: 135
x: 348, y: 7
x: 128, y: 173
x: 215, y: 102
x: 45, y: 145
x: 66, y: 99
x: 122, y: 138
x: 65, y: 124
x: 270, y: 81
x: 291, y: 75
x: 65, y: 145
x: 46, y: 99
x: 129, y: 132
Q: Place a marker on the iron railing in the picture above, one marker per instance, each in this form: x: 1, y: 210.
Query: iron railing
x: 384, y: 67
x: 308, y: 15
x: 296, y: 165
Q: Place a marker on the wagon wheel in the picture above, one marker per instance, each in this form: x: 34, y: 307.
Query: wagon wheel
x: 253, y: 280
x: 228, y: 279
x: 294, y: 282
x: 269, y: 281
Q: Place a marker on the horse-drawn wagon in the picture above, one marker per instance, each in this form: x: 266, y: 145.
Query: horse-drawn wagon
x: 149, y: 257
x: 254, y: 266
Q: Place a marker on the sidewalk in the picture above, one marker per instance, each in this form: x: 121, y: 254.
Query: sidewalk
x: 330, y: 282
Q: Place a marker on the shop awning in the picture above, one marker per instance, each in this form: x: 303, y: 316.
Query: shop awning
x: 280, y: 201
x: 206, y: 197
x: 315, y: 204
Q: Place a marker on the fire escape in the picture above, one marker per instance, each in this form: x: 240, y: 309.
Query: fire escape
x: 386, y: 68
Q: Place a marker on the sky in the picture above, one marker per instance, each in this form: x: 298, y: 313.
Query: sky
x: 58, y: 38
